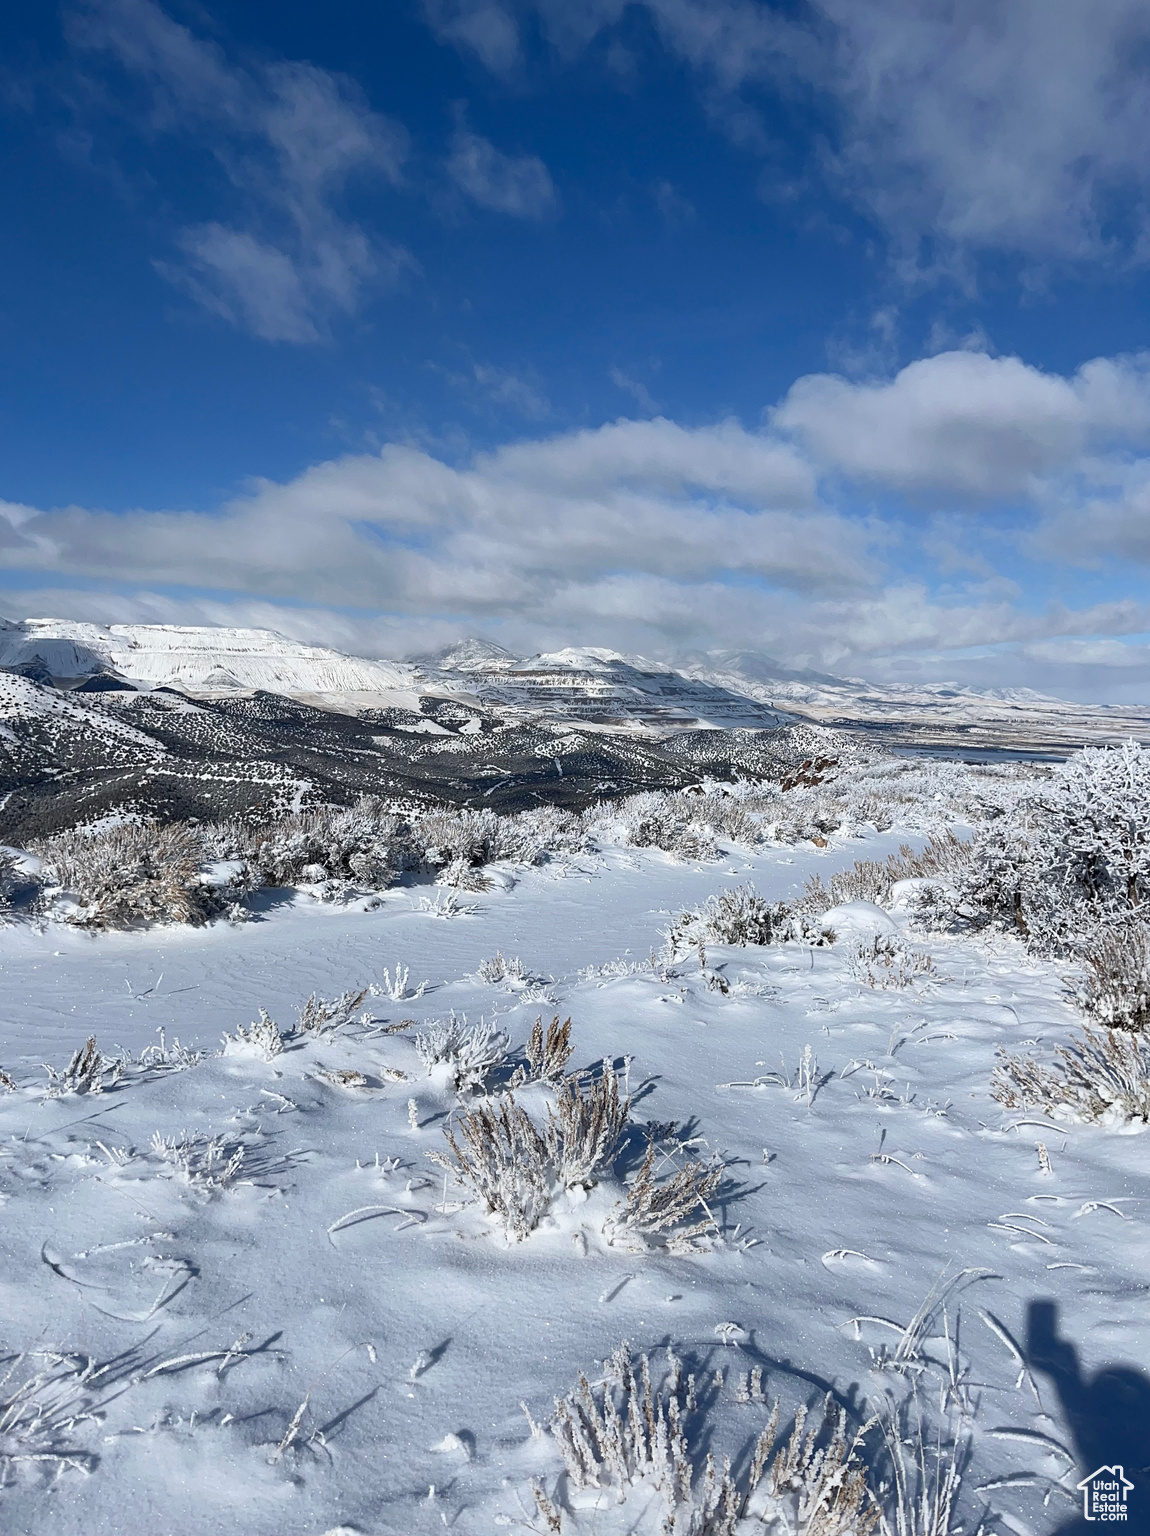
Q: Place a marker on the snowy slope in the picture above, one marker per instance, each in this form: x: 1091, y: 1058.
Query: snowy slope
x: 596, y: 687
x: 205, y: 658
x: 332, y: 1341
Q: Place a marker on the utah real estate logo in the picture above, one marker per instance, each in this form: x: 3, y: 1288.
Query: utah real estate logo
x: 1104, y: 1494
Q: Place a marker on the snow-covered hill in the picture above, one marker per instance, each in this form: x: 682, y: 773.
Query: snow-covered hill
x: 596, y: 687
x: 924, y: 715
x: 209, y: 659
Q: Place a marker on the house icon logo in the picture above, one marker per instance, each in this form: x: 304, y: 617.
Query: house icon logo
x: 1104, y: 1494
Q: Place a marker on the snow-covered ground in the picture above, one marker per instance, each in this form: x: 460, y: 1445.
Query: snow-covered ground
x: 321, y: 1336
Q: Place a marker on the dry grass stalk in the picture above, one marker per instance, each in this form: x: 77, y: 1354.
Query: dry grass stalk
x: 85, y: 1073
x: 323, y: 1016
x: 549, y: 1052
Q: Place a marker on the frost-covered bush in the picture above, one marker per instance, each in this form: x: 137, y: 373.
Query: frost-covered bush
x: 321, y: 1016
x: 11, y: 879
x: 362, y: 846
x: 584, y: 1127
x: 668, y: 1210
x: 667, y: 822
x: 470, y: 1052
x: 497, y: 968
x: 89, y: 1071
x: 126, y: 876
x: 1102, y: 1078
x: 502, y: 1159
x: 1117, y: 990
x: 1101, y: 805
x: 633, y: 1434
x: 885, y: 962
x: 874, y: 880
x: 742, y: 916
x: 263, y: 1038
x: 460, y: 875
x: 463, y: 836
x: 1071, y: 860
x: 549, y: 1050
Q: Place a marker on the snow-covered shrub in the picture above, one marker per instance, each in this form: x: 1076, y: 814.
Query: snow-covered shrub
x: 399, y: 990
x: 11, y: 879
x: 461, y: 836
x: 630, y: 1434
x: 873, y: 880
x: 1117, y: 990
x: 503, y: 1160
x: 163, y: 1057
x: 885, y: 962
x: 362, y: 846
x: 497, y: 969
x: 123, y: 876
x: 531, y: 837
x: 7, y: 1082
x: 548, y: 1051
x: 88, y: 1072
x: 461, y: 875
x: 323, y: 1015
x: 1070, y: 860
x: 724, y: 815
x: 209, y: 1163
x: 262, y: 1038
x: 445, y: 905
x: 1101, y: 804
x: 742, y: 916
x: 651, y: 1209
x: 584, y: 1127
x: 874, y: 811
x: 1103, y: 1078
x: 656, y: 820
x: 470, y: 1052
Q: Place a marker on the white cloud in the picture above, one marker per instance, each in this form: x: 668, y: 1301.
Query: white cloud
x: 479, y: 26
x: 967, y: 424
x: 1017, y: 127
x: 635, y: 388
x: 287, y: 137
x: 519, y: 185
x: 532, y: 530
x: 656, y: 537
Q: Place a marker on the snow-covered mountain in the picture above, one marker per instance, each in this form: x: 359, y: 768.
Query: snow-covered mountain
x: 596, y: 687
x: 201, y: 659
x: 925, y: 715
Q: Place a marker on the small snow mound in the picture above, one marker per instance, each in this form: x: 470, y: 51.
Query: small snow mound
x: 859, y: 917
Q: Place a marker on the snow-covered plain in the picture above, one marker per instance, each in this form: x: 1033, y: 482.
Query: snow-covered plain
x: 234, y: 1359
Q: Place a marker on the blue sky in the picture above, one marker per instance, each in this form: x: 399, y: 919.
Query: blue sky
x: 818, y: 329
